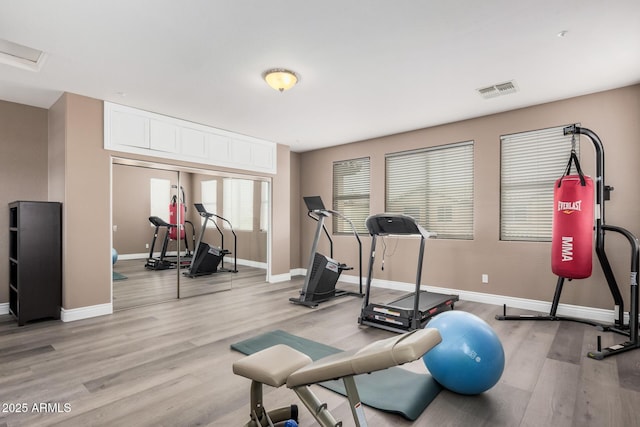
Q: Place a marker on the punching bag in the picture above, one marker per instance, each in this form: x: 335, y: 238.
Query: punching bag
x: 572, y: 228
x: 173, y: 217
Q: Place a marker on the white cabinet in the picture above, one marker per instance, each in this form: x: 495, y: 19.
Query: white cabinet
x: 194, y: 143
x: 219, y: 148
x: 241, y: 152
x: 163, y: 136
x: 131, y: 130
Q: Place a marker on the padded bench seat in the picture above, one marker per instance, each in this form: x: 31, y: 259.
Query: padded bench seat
x: 378, y: 355
x: 271, y: 366
x: 281, y: 364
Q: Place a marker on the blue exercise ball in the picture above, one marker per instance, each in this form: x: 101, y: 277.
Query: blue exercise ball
x: 470, y: 358
x: 114, y: 255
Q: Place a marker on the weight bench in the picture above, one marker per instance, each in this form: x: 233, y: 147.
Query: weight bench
x: 281, y: 364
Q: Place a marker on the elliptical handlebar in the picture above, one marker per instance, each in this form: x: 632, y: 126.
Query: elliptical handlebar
x: 355, y: 233
x: 202, y: 211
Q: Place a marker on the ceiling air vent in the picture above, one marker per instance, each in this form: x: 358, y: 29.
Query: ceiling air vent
x: 20, y: 56
x: 498, y: 90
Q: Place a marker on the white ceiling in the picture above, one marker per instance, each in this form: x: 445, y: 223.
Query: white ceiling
x: 368, y: 67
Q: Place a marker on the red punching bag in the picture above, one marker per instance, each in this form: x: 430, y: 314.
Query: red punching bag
x: 173, y: 218
x: 572, y: 229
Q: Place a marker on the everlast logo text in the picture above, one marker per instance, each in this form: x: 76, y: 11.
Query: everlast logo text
x: 569, y: 207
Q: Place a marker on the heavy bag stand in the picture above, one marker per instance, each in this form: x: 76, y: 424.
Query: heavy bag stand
x: 631, y: 329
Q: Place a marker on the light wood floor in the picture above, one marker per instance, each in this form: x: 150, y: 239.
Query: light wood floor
x: 169, y: 364
x: 143, y: 286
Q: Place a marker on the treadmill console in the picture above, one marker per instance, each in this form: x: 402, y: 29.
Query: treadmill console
x: 384, y: 224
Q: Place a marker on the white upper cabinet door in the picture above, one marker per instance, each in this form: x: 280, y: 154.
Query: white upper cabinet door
x: 129, y: 129
x: 164, y: 136
x: 194, y: 143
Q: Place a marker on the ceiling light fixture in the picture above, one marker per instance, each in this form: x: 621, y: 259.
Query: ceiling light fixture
x: 280, y: 79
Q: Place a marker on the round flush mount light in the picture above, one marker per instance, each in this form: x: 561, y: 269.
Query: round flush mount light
x: 280, y: 79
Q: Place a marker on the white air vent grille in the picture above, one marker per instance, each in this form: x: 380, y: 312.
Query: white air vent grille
x: 498, y: 89
x: 21, y: 56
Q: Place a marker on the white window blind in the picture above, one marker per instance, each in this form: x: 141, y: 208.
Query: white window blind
x: 351, y: 194
x: 209, y: 192
x: 435, y: 187
x: 530, y: 164
x: 159, y: 198
x: 238, y: 203
x: 264, y: 206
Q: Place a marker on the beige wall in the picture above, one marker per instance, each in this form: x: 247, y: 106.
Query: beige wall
x: 280, y: 214
x: 294, y: 209
x: 131, y: 201
x: 23, y: 169
x: 519, y: 269
x: 86, y: 205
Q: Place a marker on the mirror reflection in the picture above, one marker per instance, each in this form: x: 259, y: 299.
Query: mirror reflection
x: 180, y: 234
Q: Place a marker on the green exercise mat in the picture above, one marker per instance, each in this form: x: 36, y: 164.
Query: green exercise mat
x: 393, y: 390
x: 118, y: 276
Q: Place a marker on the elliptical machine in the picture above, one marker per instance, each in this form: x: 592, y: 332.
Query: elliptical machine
x: 206, y: 258
x: 323, y: 271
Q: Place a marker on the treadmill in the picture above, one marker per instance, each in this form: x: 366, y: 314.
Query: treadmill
x: 412, y: 311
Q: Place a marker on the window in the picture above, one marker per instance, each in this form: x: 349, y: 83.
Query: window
x: 159, y: 198
x: 209, y: 192
x: 530, y: 164
x: 264, y: 206
x: 435, y: 187
x: 351, y: 194
x: 238, y: 203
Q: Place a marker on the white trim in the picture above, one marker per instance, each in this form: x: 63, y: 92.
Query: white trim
x: 80, y: 313
x: 298, y: 272
x: 277, y: 278
x: 569, y: 310
x: 4, y: 308
x: 247, y: 262
x: 135, y: 256
x: 227, y: 260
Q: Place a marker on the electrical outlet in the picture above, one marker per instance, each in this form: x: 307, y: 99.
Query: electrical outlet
x: 146, y: 245
x: 485, y: 278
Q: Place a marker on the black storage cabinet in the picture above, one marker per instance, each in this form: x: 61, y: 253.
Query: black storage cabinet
x: 35, y: 260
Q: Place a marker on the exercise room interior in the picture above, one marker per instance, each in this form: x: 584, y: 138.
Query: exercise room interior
x: 432, y: 130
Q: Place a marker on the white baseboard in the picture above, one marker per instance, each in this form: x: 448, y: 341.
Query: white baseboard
x: 298, y: 272
x: 227, y: 259
x: 247, y: 262
x: 277, y: 278
x: 74, y: 314
x: 135, y: 256
x: 581, y: 312
x: 4, y: 308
